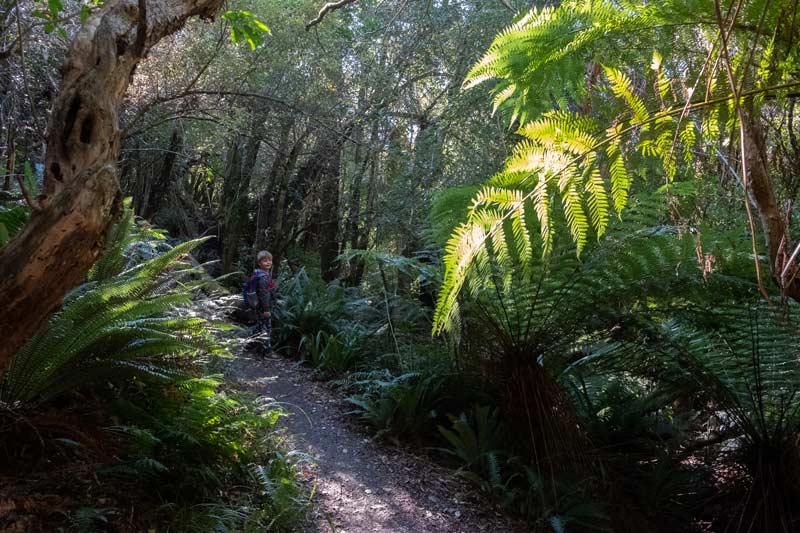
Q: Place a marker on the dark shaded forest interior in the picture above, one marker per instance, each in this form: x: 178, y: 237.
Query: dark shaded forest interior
x: 536, y: 265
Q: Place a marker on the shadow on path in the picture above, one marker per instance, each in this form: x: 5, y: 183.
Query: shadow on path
x: 361, y: 485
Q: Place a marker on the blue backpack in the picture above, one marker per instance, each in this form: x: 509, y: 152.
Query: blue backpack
x: 249, y: 292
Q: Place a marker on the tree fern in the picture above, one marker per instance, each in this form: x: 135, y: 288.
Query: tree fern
x: 583, y: 163
x: 743, y: 360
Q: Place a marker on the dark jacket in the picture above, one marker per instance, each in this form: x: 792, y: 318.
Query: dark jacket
x: 265, y: 289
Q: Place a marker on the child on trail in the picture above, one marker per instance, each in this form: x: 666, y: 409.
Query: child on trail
x: 267, y: 293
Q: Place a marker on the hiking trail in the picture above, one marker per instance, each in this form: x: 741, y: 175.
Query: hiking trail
x: 361, y: 485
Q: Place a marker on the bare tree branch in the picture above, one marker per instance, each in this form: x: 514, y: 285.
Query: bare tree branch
x: 327, y: 8
x: 32, y: 203
x: 508, y: 5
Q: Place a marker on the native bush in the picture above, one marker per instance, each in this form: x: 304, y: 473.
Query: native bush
x: 129, y: 341
x: 192, y: 442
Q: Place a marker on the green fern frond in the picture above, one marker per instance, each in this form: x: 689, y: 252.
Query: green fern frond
x: 120, y: 237
x: 622, y: 88
x: 576, y: 217
x: 541, y: 202
x: 597, y: 200
x: 522, y: 237
x: 107, y: 327
x: 688, y: 136
x: 11, y: 221
x: 620, y: 181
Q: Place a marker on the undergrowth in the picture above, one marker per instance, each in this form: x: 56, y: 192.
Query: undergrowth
x: 110, y: 413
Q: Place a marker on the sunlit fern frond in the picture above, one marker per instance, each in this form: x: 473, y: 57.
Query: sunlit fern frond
x: 111, y: 328
x: 120, y: 237
x: 549, y: 47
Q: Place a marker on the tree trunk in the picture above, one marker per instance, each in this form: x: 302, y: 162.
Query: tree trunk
x: 326, y: 171
x: 237, y: 184
x: 329, y: 216
x: 276, y: 181
x: 277, y: 234
x: 355, y: 214
x: 773, y: 221
x: 158, y: 192
x: 81, y: 192
x: 11, y: 158
x: 360, y: 238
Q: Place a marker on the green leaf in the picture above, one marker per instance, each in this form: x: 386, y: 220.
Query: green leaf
x: 55, y: 7
x: 244, y: 26
x: 253, y: 38
x: 235, y: 35
x: 31, y: 185
x: 85, y: 12
x: 261, y: 26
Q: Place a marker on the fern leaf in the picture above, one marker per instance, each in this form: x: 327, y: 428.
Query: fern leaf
x: 622, y: 88
x: 597, y: 200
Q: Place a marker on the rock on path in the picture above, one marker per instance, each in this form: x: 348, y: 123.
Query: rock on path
x: 362, y: 485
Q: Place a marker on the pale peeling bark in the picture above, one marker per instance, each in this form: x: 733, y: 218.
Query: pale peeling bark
x: 81, y: 192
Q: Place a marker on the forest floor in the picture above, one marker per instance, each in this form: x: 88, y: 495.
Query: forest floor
x: 361, y: 485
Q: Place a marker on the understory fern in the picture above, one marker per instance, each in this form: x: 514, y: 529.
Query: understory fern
x: 742, y: 359
x: 195, y: 441
x: 118, y: 326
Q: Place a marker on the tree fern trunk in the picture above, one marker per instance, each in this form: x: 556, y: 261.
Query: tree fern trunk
x: 540, y: 414
x: 81, y: 194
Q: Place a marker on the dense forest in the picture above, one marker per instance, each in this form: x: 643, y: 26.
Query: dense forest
x: 540, y: 252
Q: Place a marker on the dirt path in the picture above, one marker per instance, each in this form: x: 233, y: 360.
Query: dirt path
x: 361, y: 485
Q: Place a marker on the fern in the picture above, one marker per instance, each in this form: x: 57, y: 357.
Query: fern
x: 574, y: 163
x: 742, y: 359
x: 114, y: 328
x: 120, y: 237
x: 11, y: 221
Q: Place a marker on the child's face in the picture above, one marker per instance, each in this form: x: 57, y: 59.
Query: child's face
x: 265, y: 263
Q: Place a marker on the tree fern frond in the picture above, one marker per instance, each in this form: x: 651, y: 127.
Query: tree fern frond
x: 597, y: 200
x: 622, y: 88
x: 522, y: 237
x: 467, y: 243
x: 541, y: 202
x: 576, y: 217
x: 620, y: 181
x: 688, y: 136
